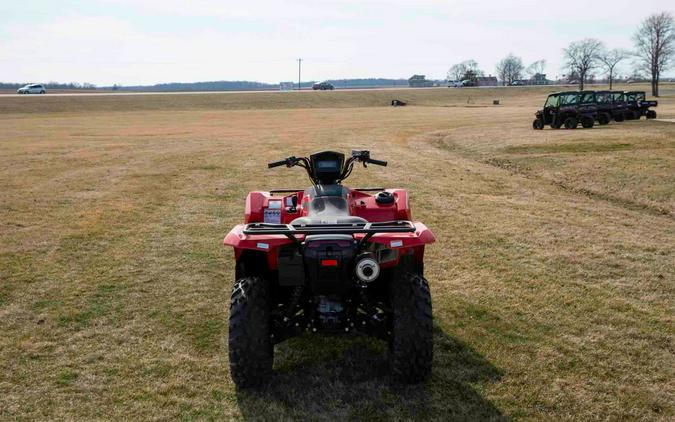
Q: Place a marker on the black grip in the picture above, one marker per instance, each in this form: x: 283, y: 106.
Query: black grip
x: 377, y: 162
x: 276, y: 163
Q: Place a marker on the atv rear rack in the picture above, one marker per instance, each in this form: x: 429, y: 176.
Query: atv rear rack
x: 273, y: 191
x: 400, y: 226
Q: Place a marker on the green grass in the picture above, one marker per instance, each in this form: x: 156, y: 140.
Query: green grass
x: 66, y: 377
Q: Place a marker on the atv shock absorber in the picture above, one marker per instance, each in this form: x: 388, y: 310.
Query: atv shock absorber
x: 293, y: 302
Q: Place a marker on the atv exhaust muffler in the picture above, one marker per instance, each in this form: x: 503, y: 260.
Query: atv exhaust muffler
x: 367, y: 269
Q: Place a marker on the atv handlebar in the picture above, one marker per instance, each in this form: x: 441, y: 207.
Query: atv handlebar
x: 377, y: 162
x: 288, y: 162
x: 276, y: 163
x: 362, y: 156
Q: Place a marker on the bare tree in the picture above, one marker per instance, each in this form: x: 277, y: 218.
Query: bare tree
x: 610, y: 59
x: 655, y: 46
x: 509, y: 69
x: 536, y: 68
x: 461, y: 70
x: 581, y: 57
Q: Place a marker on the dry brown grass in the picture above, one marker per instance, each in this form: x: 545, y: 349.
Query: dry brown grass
x: 552, y: 277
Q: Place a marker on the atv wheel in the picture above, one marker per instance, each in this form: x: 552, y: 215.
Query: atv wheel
x: 251, y: 349
x: 587, y: 122
x: 651, y: 114
x: 538, y: 124
x: 411, y: 344
x: 571, y: 123
x: 603, y: 118
x: 619, y: 118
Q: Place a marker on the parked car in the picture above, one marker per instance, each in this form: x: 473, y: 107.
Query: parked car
x: 323, y: 86
x: 32, y: 89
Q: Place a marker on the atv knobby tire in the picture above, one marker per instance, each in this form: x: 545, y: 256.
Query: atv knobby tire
x: 411, y: 343
x: 538, y: 124
x: 651, y: 114
x: 251, y: 349
x: 603, y: 118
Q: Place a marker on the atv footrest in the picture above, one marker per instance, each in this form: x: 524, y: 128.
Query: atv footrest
x: 401, y: 226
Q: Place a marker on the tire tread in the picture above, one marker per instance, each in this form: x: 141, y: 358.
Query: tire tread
x: 250, y: 346
x: 411, y: 346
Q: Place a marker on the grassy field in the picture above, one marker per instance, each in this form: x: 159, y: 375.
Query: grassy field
x: 552, y: 278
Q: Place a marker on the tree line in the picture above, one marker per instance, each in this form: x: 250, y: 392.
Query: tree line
x: 653, y: 52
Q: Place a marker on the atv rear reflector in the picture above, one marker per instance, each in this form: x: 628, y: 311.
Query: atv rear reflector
x: 329, y: 263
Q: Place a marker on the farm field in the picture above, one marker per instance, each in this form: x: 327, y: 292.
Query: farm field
x: 552, y: 277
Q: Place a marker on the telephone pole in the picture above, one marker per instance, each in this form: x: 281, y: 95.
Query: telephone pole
x: 299, y: 69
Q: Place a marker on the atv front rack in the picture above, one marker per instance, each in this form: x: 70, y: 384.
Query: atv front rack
x: 401, y: 226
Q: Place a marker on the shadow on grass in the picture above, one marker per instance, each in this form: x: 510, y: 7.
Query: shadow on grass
x: 329, y: 378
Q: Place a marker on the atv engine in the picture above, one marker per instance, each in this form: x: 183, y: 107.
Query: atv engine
x: 330, y: 311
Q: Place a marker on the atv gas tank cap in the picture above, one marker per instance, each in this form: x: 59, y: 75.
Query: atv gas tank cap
x: 384, y: 198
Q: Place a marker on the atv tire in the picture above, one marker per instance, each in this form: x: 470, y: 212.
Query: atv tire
x: 571, y: 123
x: 411, y: 344
x: 651, y: 114
x: 587, y: 122
x: 251, y: 348
x: 603, y: 119
x: 619, y: 118
x: 538, y: 124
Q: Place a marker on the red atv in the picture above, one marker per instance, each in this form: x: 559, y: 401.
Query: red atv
x: 329, y: 259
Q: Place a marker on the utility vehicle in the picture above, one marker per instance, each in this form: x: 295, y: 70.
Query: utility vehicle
x: 329, y: 259
x: 637, y: 105
x: 611, y: 106
x: 568, y: 109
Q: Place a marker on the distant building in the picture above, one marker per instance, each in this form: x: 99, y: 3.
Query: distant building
x: 419, y: 81
x: 286, y: 86
x: 538, y: 79
x: 487, y: 81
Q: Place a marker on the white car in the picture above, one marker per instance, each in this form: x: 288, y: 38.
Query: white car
x: 32, y: 89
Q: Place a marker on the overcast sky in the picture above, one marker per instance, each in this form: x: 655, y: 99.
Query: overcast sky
x: 153, y: 41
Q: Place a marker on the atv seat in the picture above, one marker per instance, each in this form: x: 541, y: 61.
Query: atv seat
x: 328, y: 210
